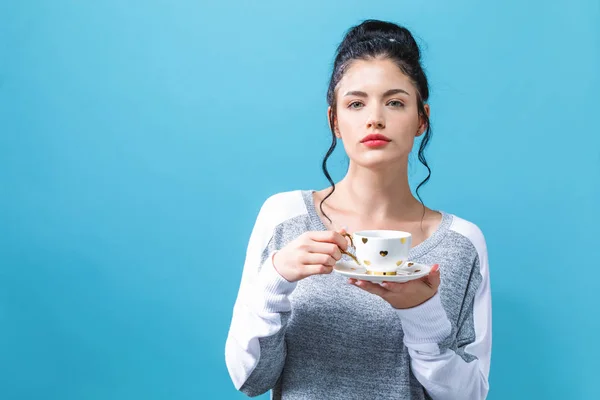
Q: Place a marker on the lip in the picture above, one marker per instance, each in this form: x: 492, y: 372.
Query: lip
x: 374, y: 137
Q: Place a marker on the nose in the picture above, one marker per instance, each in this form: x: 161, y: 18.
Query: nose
x: 375, y: 121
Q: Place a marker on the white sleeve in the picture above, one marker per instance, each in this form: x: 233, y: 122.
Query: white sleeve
x: 446, y: 373
x: 255, y: 347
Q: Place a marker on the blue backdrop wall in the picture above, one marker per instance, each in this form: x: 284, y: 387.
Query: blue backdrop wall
x: 138, y: 140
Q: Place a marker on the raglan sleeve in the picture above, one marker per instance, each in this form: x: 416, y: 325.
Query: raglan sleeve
x: 255, y: 348
x: 453, y: 363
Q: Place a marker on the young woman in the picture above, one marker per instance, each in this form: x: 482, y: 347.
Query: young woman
x: 305, y: 333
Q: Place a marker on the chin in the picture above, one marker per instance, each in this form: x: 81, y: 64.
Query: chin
x: 380, y: 161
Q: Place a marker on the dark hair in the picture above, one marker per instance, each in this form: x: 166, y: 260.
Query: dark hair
x: 372, y: 39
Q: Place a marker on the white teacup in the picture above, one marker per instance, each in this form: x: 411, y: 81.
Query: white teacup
x: 382, y: 252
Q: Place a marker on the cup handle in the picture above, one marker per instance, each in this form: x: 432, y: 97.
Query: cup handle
x: 349, y: 236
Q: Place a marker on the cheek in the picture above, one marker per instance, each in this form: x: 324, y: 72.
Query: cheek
x: 404, y: 125
x: 349, y: 121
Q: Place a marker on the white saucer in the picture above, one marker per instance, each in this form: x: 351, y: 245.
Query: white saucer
x: 404, y: 274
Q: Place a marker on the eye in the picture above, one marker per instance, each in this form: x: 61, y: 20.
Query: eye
x: 355, y: 105
x: 395, y: 103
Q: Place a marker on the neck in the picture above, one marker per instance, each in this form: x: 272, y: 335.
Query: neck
x: 381, y: 194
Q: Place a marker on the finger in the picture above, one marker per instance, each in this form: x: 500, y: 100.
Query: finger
x: 395, y: 287
x: 326, y: 248
x: 316, y: 270
x: 318, y: 259
x: 329, y: 237
x: 433, y: 279
x: 372, y: 288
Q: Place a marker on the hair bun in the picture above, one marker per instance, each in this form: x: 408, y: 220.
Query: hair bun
x: 374, y: 31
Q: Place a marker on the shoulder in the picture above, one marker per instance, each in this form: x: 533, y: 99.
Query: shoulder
x: 283, y: 206
x: 467, y: 229
x: 470, y: 232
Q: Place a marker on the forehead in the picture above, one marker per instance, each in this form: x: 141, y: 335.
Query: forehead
x: 374, y: 74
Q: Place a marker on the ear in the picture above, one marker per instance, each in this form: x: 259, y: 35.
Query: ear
x: 423, y: 125
x: 337, y: 132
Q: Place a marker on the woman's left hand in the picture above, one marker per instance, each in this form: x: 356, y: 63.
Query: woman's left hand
x: 404, y: 295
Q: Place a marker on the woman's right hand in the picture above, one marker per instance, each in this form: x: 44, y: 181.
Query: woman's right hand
x: 309, y: 254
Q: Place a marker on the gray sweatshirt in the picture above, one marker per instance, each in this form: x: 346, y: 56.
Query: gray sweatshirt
x: 322, y: 338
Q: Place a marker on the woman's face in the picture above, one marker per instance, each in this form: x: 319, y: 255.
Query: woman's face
x: 374, y: 97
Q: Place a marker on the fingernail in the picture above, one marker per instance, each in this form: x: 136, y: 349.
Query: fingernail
x: 435, y: 267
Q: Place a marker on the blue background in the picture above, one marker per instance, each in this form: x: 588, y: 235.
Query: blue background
x: 138, y: 140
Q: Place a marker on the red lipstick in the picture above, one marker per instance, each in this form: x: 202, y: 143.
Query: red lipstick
x: 375, y: 140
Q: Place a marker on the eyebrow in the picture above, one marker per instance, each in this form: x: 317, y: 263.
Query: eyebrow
x: 386, y: 94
